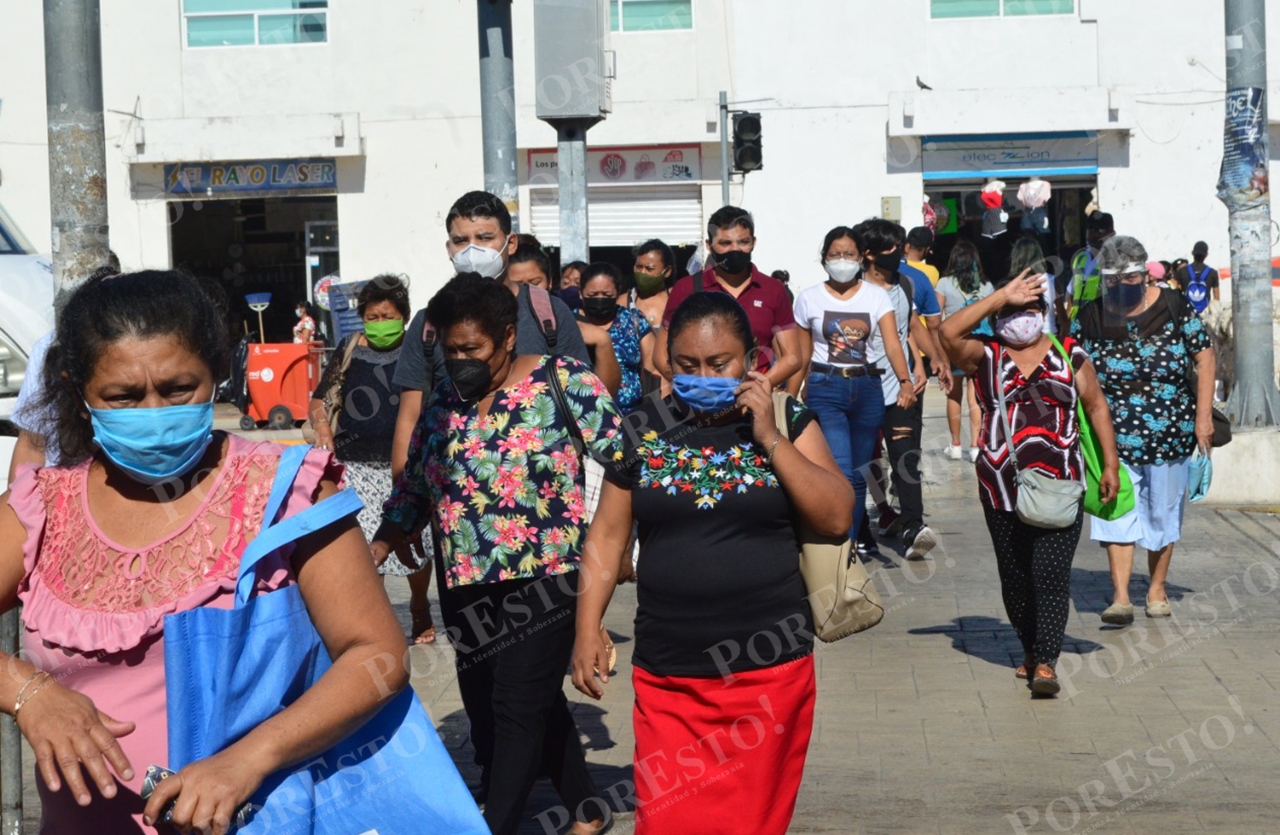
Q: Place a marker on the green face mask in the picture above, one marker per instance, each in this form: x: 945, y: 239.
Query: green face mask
x: 384, y: 334
x: 648, y: 285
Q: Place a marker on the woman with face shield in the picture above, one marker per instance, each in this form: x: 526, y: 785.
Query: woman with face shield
x: 1041, y: 381
x: 1156, y: 367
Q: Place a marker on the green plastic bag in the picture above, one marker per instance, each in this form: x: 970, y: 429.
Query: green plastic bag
x: 1091, y: 448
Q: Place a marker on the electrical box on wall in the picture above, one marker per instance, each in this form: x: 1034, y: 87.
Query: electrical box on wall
x: 573, y: 65
x: 891, y: 208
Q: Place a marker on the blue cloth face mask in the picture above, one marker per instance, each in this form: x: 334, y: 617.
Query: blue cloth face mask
x: 157, y: 444
x: 706, y: 394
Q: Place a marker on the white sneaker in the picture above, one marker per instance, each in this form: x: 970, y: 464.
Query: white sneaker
x: 954, y: 453
x: 922, y: 543
x: 973, y: 454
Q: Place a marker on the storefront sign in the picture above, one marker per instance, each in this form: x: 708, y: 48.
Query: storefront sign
x: 1009, y: 155
x: 1243, y: 183
x: 605, y: 166
x: 261, y: 175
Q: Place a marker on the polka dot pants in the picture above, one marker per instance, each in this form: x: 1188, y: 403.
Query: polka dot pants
x: 1035, y: 579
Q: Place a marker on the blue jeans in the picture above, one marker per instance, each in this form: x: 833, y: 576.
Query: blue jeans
x: 850, y: 412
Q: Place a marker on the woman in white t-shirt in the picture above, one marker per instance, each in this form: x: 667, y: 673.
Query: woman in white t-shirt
x: 842, y: 325
x: 962, y: 285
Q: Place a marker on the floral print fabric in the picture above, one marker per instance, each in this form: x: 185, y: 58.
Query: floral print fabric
x: 705, y: 474
x: 626, y: 331
x: 506, y: 488
x: 1143, y: 372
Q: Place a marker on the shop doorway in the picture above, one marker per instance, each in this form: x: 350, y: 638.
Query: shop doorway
x: 961, y: 219
x: 258, y: 245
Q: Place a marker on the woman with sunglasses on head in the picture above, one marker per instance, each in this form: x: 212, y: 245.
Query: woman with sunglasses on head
x: 1150, y: 345
x: 1028, y: 389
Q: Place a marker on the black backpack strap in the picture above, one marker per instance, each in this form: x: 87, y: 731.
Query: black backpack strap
x: 698, y: 286
x: 429, y: 354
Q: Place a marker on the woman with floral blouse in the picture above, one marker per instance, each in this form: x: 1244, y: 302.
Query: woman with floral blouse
x: 493, y: 468
x: 1156, y: 366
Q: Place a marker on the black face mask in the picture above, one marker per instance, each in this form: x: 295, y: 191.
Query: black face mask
x: 471, y: 378
x: 600, y: 308
x: 571, y: 296
x: 888, y: 263
x: 734, y: 262
x: 1125, y: 296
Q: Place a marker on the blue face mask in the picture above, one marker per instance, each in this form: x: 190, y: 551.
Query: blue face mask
x: 706, y: 394
x: 153, y: 445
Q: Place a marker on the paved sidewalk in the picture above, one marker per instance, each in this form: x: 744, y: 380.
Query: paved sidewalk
x: 1162, y: 727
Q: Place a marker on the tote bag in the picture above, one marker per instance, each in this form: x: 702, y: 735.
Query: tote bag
x: 1091, y: 448
x: 228, y: 670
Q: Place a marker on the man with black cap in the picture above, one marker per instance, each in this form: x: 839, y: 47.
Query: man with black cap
x: 1199, y: 279
x: 919, y: 242
x: 1086, y: 277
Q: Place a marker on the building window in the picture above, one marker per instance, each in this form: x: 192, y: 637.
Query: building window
x: 255, y: 22
x: 999, y: 8
x: 650, y: 15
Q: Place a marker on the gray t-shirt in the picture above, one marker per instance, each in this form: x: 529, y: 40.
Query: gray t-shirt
x: 954, y: 298
x: 411, y: 370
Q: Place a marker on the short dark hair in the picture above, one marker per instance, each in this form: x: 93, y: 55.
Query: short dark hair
x: 1101, y: 221
x: 479, y: 204
x: 876, y: 235
x: 781, y: 275
x: 835, y: 235
x: 385, y: 288
x: 470, y: 297
x: 654, y: 245
x: 920, y: 237
x: 602, y: 268
x: 532, y: 252
x: 727, y: 217
x: 1200, y: 249
x: 702, y: 306
x: 111, y: 307
x: 579, y: 266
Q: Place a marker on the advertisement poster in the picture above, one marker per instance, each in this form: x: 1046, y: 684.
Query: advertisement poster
x: 1243, y: 183
x: 663, y: 164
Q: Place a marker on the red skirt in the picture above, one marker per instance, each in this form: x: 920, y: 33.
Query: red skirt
x: 714, y: 757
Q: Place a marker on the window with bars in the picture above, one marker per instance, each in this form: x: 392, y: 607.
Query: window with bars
x: 999, y: 8
x: 650, y: 15
x: 254, y: 22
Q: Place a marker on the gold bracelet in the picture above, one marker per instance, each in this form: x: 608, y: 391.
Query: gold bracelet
x: 21, y: 700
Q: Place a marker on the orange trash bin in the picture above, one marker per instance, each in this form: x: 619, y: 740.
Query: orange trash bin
x: 281, y: 377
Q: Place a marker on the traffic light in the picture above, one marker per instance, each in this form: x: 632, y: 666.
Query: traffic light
x: 747, y: 155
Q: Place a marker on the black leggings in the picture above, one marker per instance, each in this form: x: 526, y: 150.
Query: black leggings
x: 1035, y: 580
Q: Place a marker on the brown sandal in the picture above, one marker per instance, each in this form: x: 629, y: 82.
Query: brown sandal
x: 1045, y: 682
x: 1022, y: 671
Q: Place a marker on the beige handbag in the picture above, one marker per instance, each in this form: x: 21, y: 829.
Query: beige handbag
x: 332, y: 398
x: 841, y: 595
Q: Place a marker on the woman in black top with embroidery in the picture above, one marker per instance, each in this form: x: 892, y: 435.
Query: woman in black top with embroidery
x: 724, y: 674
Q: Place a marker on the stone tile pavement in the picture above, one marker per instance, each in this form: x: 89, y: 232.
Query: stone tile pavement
x: 1162, y: 726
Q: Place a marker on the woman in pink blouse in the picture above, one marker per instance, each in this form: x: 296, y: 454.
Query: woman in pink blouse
x: 148, y: 516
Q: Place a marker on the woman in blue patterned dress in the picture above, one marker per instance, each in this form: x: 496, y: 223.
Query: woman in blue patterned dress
x: 1156, y: 366
x: 632, y: 336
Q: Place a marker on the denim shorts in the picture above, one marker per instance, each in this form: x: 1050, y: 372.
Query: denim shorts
x: 1160, y: 491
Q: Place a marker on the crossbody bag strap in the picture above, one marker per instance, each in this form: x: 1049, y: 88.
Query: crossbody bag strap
x: 562, y: 404
x: 1004, y: 407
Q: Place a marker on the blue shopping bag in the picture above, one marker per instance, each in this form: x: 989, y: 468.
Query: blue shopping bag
x: 1199, y: 476
x: 228, y: 670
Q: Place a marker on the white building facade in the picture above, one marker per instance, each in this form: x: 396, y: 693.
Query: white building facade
x: 270, y: 143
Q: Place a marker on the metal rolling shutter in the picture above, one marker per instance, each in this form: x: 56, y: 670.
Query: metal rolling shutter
x: 626, y: 215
